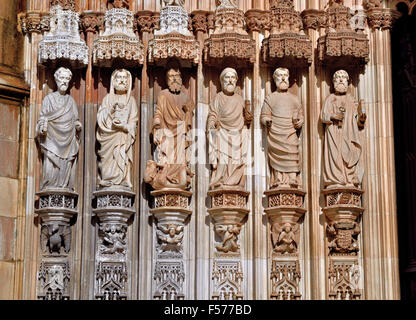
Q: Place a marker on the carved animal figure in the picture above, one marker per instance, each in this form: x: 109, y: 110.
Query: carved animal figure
x: 54, y: 237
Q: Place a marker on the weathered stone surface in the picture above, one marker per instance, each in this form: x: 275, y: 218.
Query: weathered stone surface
x: 10, y: 167
x: 7, y: 273
x: 9, y: 122
x: 9, y: 199
x: 7, y: 238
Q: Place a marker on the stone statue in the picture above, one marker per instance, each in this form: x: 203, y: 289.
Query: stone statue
x: 282, y: 115
x: 227, y: 123
x: 116, y: 132
x: 57, y: 131
x: 173, y: 3
x: 226, y: 4
x: 171, y: 123
x: 343, y: 117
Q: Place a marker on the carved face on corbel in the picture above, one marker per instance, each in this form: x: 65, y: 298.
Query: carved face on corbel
x: 62, y: 78
x: 228, y: 80
x: 281, y: 78
x: 340, y: 80
x: 174, y: 80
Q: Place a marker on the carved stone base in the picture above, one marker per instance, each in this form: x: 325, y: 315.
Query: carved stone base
x: 343, y: 210
x: 114, y: 207
x: 54, y: 279
x: 227, y: 276
x: 294, y: 48
x: 285, y: 277
x: 185, y: 49
x: 343, y: 279
x: 56, y: 205
x: 171, y: 212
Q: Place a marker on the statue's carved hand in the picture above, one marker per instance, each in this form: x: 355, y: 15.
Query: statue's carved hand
x: 338, y: 116
x: 297, y: 123
x: 269, y: 123
x: 120, y: 126
x: 363, y: 117
x: 78, y: 126
x: 43, y: 126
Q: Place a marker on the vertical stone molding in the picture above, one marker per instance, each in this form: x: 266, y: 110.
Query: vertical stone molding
x: 173, y: 39
x: 230, y: 42
x: 287, y: 40
x: 63, y: 40
x: 341, y: 44
x: 118, y: 40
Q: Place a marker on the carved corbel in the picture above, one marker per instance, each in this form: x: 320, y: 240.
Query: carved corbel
x: 258, y: 20
x: 145, y: 21
x: 92, y: 21
x: 200, y: 20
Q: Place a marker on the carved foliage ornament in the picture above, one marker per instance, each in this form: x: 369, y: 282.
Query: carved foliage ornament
x: 92, y: 21
x: 29, y: 22
x: 379, y: 18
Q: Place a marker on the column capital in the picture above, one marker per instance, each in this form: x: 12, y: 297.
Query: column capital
x: 380, y: 18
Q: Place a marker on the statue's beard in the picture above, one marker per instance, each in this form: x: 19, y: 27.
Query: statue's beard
x: 175, y: 87
x: 341, y: 88
x: 283, y: 85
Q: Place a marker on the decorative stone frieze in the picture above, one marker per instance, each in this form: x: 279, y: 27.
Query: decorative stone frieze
x: 63, y: 40
x: 173, y: 38
x: 313, y: 19
x: 258, y: 20
x: 229, y: 43
x: 341, y: 45
x: 287, y: 40
x: 380, y: 18
x: 118, y: 40
x: 92, y: 21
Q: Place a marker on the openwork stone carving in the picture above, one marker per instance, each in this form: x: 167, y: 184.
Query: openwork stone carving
x: 111, y: 281
x: 227, y: 279
x: 63, y: 40
x: 173, y: 39
x: 287, y: 39
x: 341, y: 41
x: 285, y: 277
x: 118, y: 40
x: 343, y: 279
x: 53, y: 280
x: 229, y: 40
x: 169, y: 278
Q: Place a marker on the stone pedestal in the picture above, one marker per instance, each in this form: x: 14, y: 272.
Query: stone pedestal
x: 343, y: 212
x: 115, y: 206
x: 228, y: 212
x: 284, y: 212
x: 56, y: 210
x: 171, y: 213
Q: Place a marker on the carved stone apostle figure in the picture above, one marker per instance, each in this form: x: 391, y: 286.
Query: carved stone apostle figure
x: 282, y: 115
x: 227, y: 133
x: 116, y: 132
x: 343, y: 117
x: 171, y: 123
x: 57, y: 131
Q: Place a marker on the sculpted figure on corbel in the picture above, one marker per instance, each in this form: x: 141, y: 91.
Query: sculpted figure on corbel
x: 228, y: 119
x: 54, y: 238
x: 285, y: 238
x: 171, y: 124
x: 229, y: 235
x: 112, y: 238
x: 57, y: 131
x: 343, y: 118
x: 282, y: 116
x: 117, y: 121
x: 118, y: 4
x: 170, y: 236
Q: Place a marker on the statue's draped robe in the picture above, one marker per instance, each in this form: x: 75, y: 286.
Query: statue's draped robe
x: 283, y: 142
x: 116, y: 145
x: 342, y: 148
x: 228, y: 143
x: 60, y: 145
x: 171, y: 139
